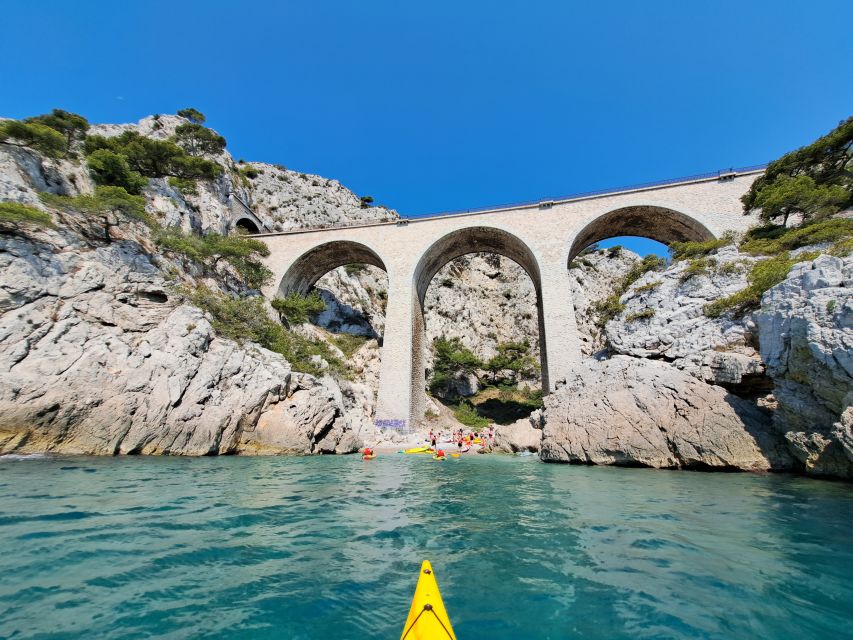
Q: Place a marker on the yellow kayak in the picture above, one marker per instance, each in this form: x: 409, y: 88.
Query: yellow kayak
x: 428, y: 618
x: 418, y: 450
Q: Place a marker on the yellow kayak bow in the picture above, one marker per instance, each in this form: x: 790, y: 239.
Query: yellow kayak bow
x: 428, y: 618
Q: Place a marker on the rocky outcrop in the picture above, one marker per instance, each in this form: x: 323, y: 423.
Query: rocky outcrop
x: 593, y: 277
x: 520, y: 436
x: 99, y: 356
x: 280, y: 198
x: 628, y: 411
x: 806, y: 331
x: 663, y: 318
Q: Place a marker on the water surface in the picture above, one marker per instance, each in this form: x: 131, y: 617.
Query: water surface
x: 330, y: 548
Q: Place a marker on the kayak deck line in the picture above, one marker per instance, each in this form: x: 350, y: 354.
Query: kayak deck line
x: 428, y: 619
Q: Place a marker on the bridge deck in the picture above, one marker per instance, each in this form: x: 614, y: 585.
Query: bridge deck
x: 531, y: 204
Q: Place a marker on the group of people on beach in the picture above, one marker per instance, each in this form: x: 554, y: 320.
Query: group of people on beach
x: 462, y: 440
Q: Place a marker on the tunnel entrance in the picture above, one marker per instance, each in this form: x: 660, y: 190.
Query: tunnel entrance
x: 247, y: 226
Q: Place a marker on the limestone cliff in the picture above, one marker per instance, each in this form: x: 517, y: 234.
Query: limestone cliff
x: 805, y: 326
x: 98, y: 354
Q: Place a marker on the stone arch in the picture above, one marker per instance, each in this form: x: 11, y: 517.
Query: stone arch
x: 315, y: 263
x: 479, y: 239
x: 649, y: 221
x: 247, y: 224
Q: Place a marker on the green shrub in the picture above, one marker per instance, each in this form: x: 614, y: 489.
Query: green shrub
x: 842, y: 248
x: 154, y: 158
x: 193, y: 115
x: 650, y: 262
x: 513, y: 357
x: 649, y: 286
x: 693, y: 249
x: 830, y: 306
x: 186, y: 186
x: 70, y: 125
x: 295, y: 308
x: 349, y: 343
x: 607, y: 309
x: 245, y: 319
x: 366, y: 201
x: 249, y: 172
x: 467, y: 415
x: 762, y: 276
x: 198, y: 140
x: 615, y: 251
x: 772, y: 240
x: 640, y: 315
x: 729, y: 268
x: 32, y: 135
x: 110, y: 168
x: 450, y: 360
x: 110, y: 205
x: 242, y: 253
x: 15, y: 214
x: 355, y: 268
x: 697, y: 267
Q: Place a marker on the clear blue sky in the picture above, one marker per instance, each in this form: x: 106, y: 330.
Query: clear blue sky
x: 431, y: 106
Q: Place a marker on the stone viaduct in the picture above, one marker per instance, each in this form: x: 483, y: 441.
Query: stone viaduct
x: 542, y: 237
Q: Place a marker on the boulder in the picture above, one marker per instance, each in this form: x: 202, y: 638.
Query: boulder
x: 522, y: 435
x: 635, y: 412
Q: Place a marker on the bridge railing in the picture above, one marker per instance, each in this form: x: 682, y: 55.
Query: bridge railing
x: 712, y: 175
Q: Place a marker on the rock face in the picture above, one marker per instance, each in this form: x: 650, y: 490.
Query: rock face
x: 806, y: 330
x: 97, y: 356
x: 482, y: 299
x: 520, y: 436
x: 627, y: 411
x: 593, y: 277
x: 663, y: 318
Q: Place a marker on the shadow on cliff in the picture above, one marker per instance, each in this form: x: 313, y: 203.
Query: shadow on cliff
x: 758, y: 422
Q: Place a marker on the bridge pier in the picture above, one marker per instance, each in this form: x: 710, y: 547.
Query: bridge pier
x: 398, y: 390
x: 558, y: 334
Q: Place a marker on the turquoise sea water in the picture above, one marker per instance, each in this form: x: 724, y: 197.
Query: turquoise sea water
x: 330, y: 548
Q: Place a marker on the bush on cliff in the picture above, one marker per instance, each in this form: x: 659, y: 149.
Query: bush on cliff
x: 198, y: 140
x: 111, y: 206
x: 610, y: 307
x: 14, y: 215
x: 513, y: 357
x: 154, y: 158
x: 35, y: 136
x: 451, y: 359
x: 245, y: 319
x: 295, y: 308
x: 193, y: 115
x: 763, y: 275
x: 242, y: 253
x: 695, y: 249
x: 776, y: 239
x: 71, y: 125
x: 112, y: 169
